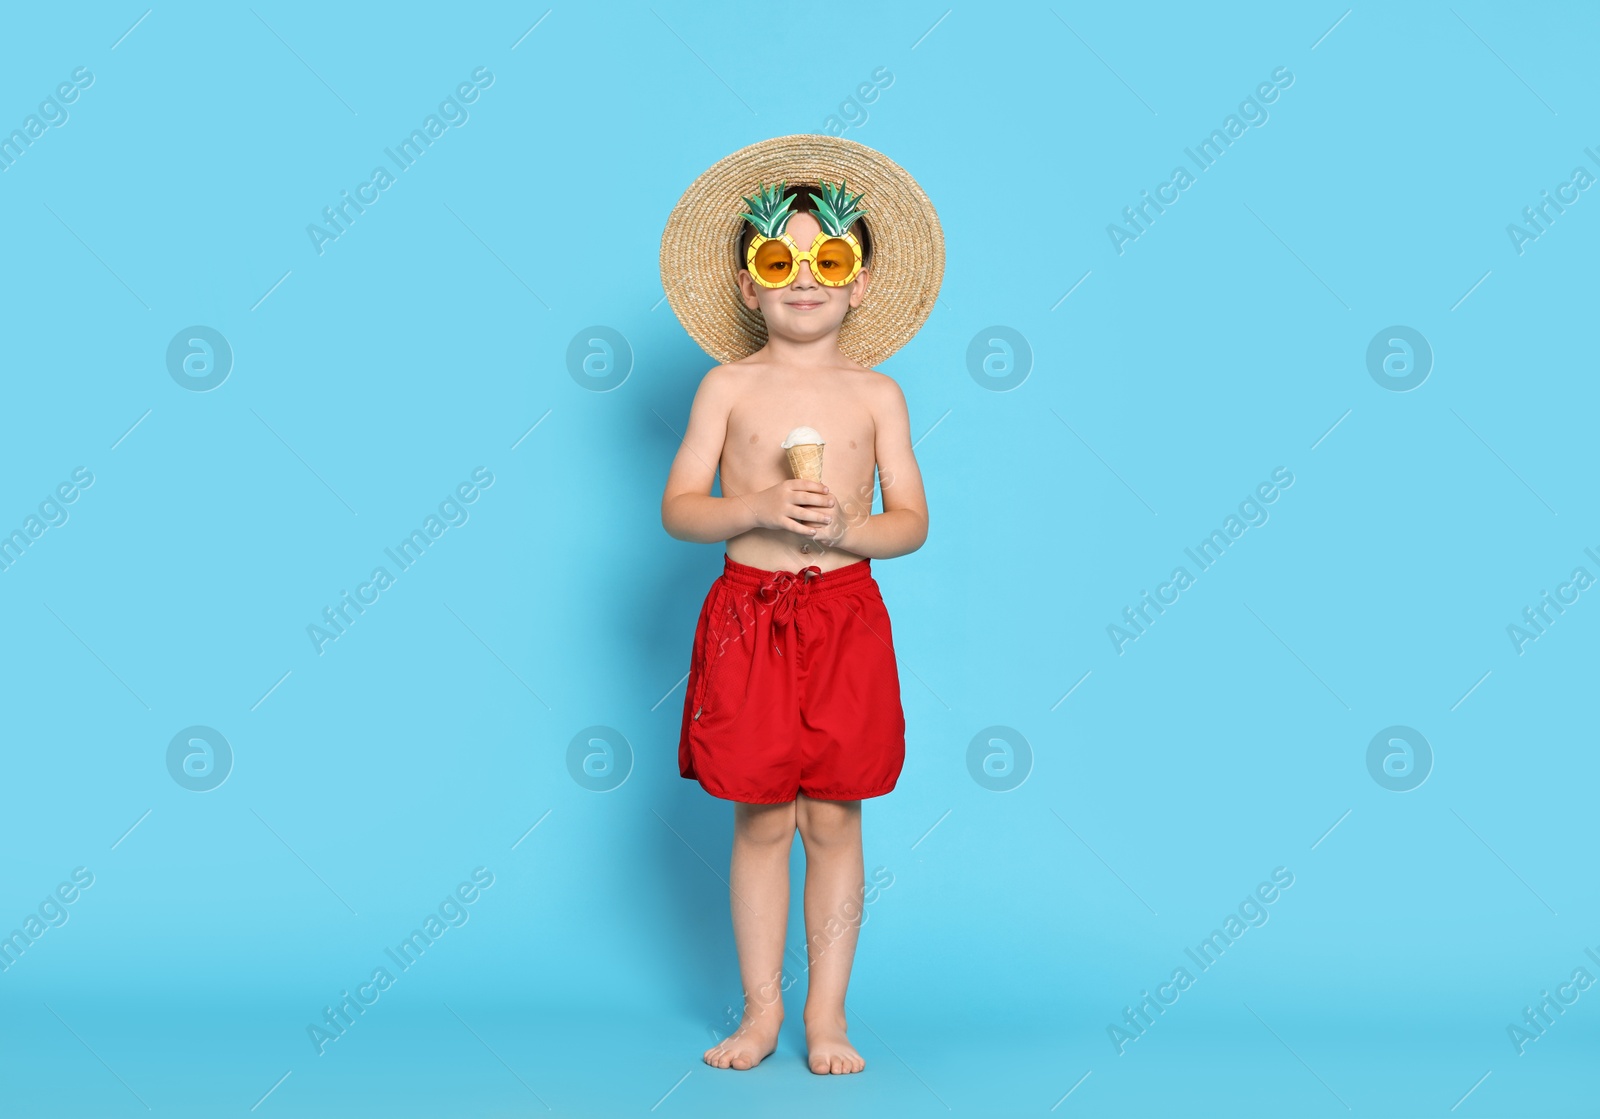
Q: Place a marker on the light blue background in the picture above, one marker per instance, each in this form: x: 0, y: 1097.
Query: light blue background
x: 1228, y: 340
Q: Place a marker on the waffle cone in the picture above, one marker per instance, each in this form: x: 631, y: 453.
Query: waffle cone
x: 805, y: 461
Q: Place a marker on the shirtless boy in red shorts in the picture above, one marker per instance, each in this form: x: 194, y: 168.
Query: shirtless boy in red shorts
x: 793, y: 704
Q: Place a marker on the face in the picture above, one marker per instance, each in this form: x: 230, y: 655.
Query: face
x: 804, y: 310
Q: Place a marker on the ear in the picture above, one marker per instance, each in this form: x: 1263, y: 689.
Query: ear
x: 858, y: 287
x: 747, y: 290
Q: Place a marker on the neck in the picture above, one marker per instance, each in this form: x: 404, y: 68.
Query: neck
x: 813, y: 351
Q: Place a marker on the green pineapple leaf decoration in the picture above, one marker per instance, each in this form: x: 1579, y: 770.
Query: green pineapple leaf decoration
x: 837, y: 209
x: 769, y: 210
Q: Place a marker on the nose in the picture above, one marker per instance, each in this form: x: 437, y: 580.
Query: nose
x: 803, y: 276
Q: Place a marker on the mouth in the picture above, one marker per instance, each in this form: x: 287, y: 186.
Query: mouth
x: 803, y: 304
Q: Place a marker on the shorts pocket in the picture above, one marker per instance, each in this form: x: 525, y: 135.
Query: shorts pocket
x: 874, y: 641
x: 711, y: 650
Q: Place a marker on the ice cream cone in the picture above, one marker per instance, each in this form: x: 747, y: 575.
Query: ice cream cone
x: 805, y: 461
x: 804, y: 448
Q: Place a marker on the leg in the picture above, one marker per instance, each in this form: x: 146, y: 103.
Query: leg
x: 759, y: 881
x: 831, y: 832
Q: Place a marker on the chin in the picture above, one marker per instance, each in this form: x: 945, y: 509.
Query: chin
x: 809, y: 327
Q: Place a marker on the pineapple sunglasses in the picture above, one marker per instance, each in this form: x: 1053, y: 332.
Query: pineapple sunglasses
x: 774, y: 262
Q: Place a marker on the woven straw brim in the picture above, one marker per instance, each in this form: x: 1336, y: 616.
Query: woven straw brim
x: 699, y: 249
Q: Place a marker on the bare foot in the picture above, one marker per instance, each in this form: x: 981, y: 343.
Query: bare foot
x: 749, y: 1045
x: 828, y: 1049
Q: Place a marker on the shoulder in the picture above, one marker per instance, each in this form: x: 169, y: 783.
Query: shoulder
x: 722, y: 382
x: 883, y: 390
x: 866, y: 375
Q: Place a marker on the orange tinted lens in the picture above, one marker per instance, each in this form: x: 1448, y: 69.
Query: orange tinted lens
x: 774, y: 262
x: 835, y: 261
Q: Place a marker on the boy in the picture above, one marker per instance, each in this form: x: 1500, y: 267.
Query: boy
x: 793, y: 704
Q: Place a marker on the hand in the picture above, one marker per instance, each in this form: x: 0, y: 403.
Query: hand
x: 795, y: 505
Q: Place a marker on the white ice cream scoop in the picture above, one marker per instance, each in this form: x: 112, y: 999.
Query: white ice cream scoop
x: 802, y: 435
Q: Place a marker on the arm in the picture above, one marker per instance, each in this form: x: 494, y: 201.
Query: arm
x: 902, y: 527
x: 689, y: 512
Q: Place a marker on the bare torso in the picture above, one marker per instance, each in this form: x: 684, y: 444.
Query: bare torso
x: 772, y: 402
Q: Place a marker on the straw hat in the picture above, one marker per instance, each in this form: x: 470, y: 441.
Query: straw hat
x: 700, y: 248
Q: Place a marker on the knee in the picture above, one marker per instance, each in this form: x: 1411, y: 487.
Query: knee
x: 769, y: 833
x: 829, y: 826
x: 770, y: 826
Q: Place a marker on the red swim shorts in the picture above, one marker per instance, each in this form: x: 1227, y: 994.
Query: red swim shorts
x: 793, y: 687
